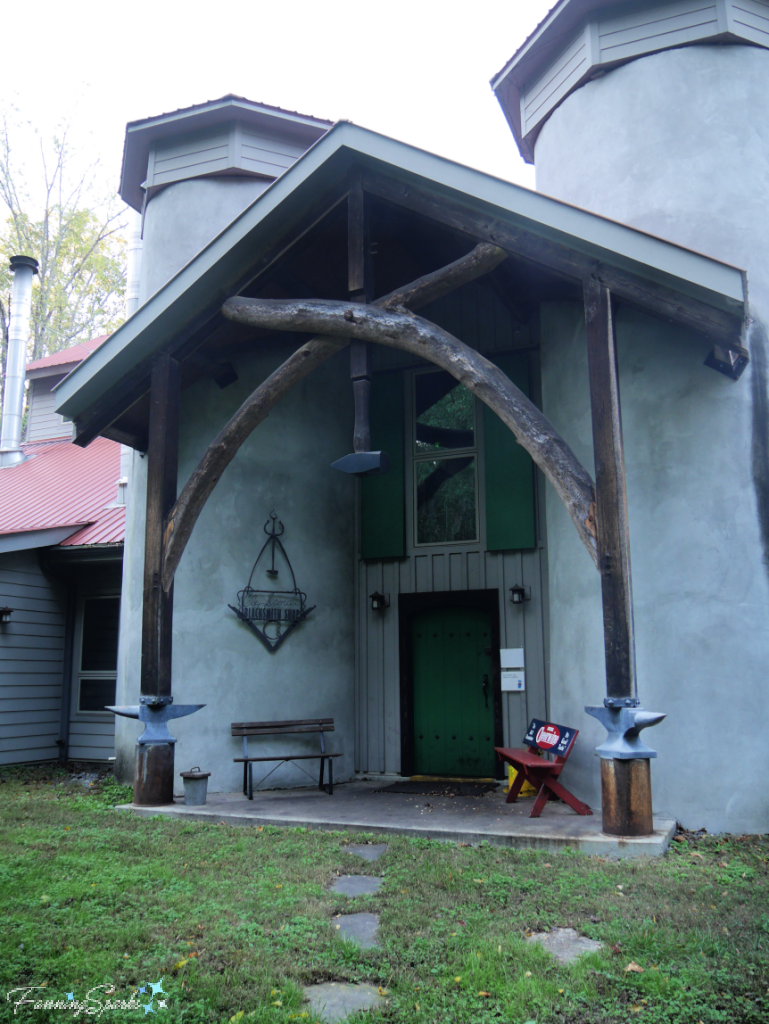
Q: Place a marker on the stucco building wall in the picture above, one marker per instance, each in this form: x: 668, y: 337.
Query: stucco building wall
x: 217, y: 660
x: 676, y: 143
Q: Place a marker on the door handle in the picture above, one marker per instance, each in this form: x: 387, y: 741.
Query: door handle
x: 485, y: 685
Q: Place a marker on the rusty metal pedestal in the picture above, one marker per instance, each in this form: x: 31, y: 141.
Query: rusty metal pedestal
x: 626, y: 797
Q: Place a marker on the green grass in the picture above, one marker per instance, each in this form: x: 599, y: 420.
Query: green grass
x: 236, y: 920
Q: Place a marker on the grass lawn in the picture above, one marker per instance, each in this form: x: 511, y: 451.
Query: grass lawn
x: 236, y: 920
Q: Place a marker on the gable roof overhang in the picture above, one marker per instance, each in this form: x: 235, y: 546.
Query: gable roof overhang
x: 695, y: 289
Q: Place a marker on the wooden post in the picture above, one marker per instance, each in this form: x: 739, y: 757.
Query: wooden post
x: 154, y: 779
x: 625, y: 784
x: 359, y: 288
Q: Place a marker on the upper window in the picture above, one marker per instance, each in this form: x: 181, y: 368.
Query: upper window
x: 445, y: 461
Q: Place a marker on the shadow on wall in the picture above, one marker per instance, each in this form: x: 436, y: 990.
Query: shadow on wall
x: 759, y: 356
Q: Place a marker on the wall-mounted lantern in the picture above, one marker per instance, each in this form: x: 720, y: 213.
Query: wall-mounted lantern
x: 5, y: 614
x: 379, y: 601
x: 520, y: 594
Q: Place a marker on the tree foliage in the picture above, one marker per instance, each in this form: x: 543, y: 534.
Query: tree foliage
x: 58, y: 216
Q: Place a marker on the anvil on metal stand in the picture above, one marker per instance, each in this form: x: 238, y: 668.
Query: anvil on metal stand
x: 626, y: 803
x: 155, y: 746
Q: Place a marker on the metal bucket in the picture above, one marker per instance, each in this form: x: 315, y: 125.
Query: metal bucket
x: 195, y: 787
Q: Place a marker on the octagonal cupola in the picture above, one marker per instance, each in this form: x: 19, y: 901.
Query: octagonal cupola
x: 191, y: 172
x: 581, y: 40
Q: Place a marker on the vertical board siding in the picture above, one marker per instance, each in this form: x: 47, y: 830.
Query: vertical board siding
x: 43, y: 423
x: 31, y: 660
x: 542, y: 95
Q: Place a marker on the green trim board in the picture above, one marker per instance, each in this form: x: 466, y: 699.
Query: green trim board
x: 509, y: 471
x: 382, y: 497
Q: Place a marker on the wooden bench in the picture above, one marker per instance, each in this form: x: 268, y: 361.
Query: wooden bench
x: 291, y: 726
x: 542, y: 738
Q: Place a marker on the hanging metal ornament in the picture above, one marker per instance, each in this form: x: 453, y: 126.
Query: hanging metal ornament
x: 272, y: 614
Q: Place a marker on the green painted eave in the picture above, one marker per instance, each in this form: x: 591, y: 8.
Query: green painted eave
x: 210, y: 275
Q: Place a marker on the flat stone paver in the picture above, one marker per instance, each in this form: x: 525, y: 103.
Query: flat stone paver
x: 335, y: 1000
x: 565, y: 944
x: 360, y: 928
x: 357, y: 885
x: 368, y: 851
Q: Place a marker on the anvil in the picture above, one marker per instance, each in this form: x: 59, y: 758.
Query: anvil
x: 623, y: 726
x: 156, y: 718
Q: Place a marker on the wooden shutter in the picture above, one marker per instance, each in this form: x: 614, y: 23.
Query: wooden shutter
x: 382, y: 518
x: 509, y: 471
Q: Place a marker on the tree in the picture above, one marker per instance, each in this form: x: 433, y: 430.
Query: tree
x: 74, y: 233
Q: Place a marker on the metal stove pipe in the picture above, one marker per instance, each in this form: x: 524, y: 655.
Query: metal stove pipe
x: 24, y: 269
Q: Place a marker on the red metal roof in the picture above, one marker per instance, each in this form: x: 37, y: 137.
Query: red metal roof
x: 73, y: 354
x: 61, y: 484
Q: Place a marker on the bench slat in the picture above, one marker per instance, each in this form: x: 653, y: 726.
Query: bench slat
x: 291, y: 757
x: 283, y: 731
x: 285, y: 722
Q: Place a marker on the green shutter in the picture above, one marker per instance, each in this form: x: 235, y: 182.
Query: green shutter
x: 509, y: 471
x: 382, y: 525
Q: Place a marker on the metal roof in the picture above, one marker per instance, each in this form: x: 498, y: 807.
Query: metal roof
x: 62, y: 485
x: 214, y: 269
x: 66, y: 358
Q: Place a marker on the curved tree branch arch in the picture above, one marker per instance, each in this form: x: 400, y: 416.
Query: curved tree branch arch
x: 386, y: 322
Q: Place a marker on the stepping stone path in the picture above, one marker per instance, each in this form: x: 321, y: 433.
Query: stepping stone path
x: 335, y: 1000
x: 565, y: 944
x: 357, y: 885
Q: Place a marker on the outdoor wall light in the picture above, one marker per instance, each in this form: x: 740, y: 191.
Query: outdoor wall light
x: 5, y: 614
x: 379, y: 601
x: 520, y: 594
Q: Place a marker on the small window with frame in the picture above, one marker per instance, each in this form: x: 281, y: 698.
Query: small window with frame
x: 97, y: 659
x: 445, y: 461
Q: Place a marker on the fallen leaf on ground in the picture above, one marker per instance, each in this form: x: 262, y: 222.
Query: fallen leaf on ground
x: 236, y: 1017
x: 527, y: 974
x: 633, y: 966
x: 484, y: 995
x: 698, y: 855
x: 679, y: 839
x: 178, y: 966
x: 383, y: 991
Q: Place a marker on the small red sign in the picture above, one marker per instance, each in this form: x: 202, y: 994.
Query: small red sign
x: 548, y: 736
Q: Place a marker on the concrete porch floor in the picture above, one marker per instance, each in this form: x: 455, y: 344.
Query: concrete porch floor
x: 357, y: 807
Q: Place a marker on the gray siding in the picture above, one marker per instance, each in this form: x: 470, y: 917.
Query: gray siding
x: 43, y: 423
x: 541, y: 96
x: 655, y: 28
x: 31, y: 660
x: 232, y: 149
x: 750, y: 18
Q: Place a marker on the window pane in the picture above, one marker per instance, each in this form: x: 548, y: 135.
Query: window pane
x: 95, y: 694
x: 445, y: 500
x: 444, y: 413
x: 100, y: 628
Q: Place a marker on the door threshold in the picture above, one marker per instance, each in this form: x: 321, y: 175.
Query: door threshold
x: 450, y: 778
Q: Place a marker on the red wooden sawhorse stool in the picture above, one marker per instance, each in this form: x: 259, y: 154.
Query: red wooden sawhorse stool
x: 542, y: 774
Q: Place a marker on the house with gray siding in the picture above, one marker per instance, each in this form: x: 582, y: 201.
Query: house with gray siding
x: 62, y: 522
x: 475, y: 584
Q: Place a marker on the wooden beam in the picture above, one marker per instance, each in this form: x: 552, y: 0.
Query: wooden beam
x: 224, y: 447
x: 404, y: 330
x: 721, y: 327
x: 613, y: 535
x: 162, y: 462
x: 191, y: 335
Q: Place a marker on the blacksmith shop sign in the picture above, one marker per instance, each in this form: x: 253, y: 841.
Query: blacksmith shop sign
x: 271, y: 613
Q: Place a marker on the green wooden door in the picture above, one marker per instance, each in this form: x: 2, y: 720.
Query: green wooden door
x: 453, y: 710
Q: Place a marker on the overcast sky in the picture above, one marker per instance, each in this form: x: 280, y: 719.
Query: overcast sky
x: 417, y: 70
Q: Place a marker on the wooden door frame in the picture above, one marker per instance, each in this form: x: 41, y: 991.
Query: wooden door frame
x: 408, y: 605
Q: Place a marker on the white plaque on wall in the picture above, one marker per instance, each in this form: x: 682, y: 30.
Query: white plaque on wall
x: 513, y: 681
